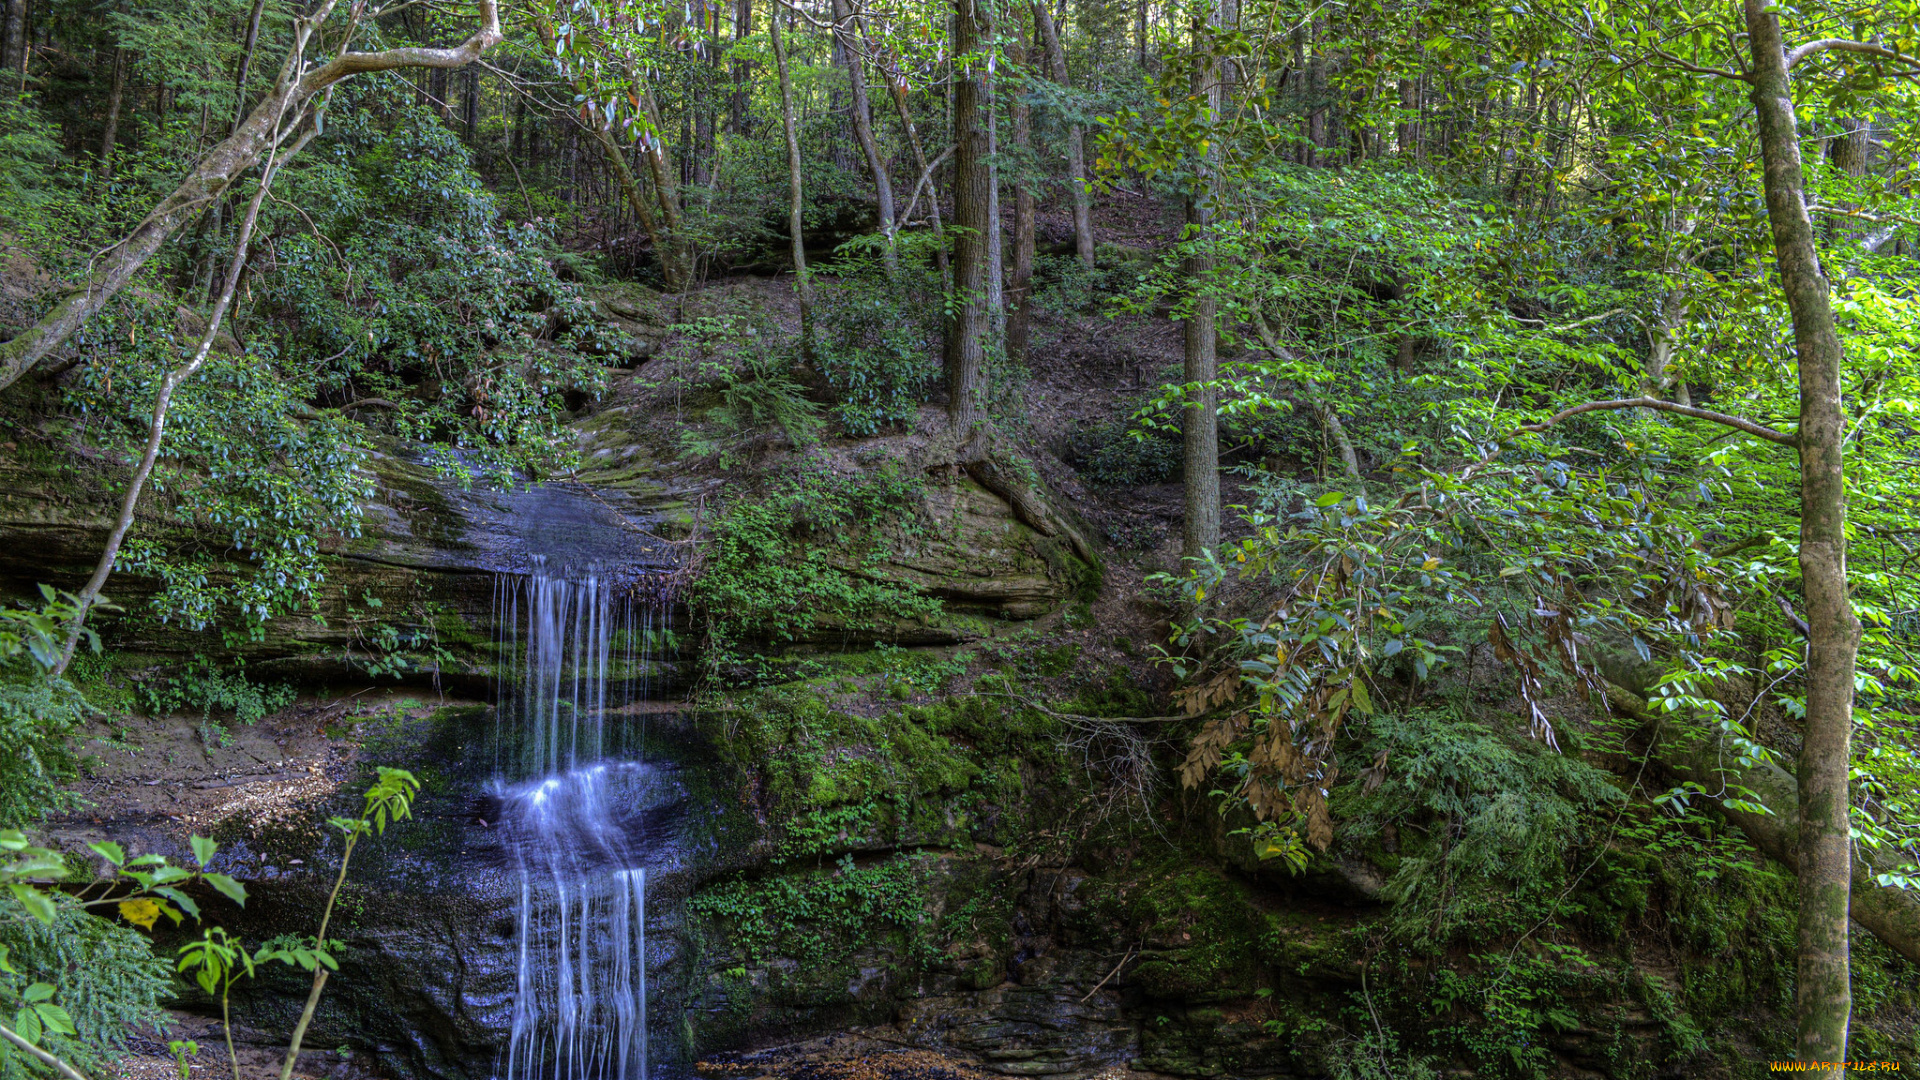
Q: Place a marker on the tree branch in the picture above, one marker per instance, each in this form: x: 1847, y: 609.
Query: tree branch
x: 1757, y: 430
x: 1871, y: 219
x: 1574, y: 325
x: 1737, y: 76
x: 216, y: 171
x: 65, y: 1069
x: 1867, y: 48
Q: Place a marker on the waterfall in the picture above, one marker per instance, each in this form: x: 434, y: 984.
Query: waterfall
x: 569, y: 815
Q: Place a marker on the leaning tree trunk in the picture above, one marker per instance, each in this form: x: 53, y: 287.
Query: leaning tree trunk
x: 210, y: 177
x: 862, y: 115
x: 1823, y: 998
x: 796, y: 206
x: 968, y: 326
x: 1076, y: 137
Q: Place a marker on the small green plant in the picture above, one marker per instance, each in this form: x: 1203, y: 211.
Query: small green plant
x: 202, y: 687
x: 183, y: 1051
x: 813, y: 549
x: 1114, y: 455
x: 879, y: 334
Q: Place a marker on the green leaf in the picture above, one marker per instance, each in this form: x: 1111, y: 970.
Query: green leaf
x: 203, y: 849
x: 110, y: 851
x: 55, y: 1018
x: 26, y: 1023
x: 229, y: 888
x: 34, y: 901
x: 37, y: 992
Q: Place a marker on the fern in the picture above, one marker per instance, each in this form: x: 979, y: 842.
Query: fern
x: 109, y: 980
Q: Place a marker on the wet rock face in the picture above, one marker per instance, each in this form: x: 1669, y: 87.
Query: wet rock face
x: 431, y: 915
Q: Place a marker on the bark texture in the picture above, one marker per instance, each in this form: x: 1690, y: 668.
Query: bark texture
x: 966, y: 340
x: 1823, y: 998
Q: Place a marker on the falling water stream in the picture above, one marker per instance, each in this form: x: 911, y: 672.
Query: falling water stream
x: 570, y: 820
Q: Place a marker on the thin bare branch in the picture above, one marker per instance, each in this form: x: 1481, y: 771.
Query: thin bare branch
x: 1861, y: 215
x: 1760, y: 431
x: 1866, y: 48
x: 1736, y: 76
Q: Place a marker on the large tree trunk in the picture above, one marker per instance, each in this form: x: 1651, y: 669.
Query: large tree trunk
x: 967, y: 328
x: 214, y: 172
x: 862, y: 116
x: 996, y: 233
x: 796, y: 206
x: 1823, y: 998
x: 116, y: 93
x: 1076, y: 138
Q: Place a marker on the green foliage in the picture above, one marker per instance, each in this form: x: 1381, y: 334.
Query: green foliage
x: 1113, y: 454
x: 202, y: 686
x: 819, y: 916
x: 1490, y: 826
x: 38, y: 710
x: 879, y: 334
x: 108, y: 979
x: 810, y: 553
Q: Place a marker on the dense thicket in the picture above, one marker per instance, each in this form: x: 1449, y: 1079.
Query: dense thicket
x: 1553, y: 334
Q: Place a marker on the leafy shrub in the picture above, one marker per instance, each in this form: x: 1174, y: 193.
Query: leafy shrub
x: 202, y: 686
x: 1516, y: 812
x: 879, y: 331
x: 1111, y: 456
x: 809, y: 550
x: 38, y: 711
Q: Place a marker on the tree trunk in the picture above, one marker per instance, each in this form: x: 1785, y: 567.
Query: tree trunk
x: 996, y: 233
x: 1019, y: 313
x: 898, y: 88
x: 1823, y: 998
x: 517, y: 139
x: 738, y: 119
x: 661, y: 166
x: 1200, y: 420
x: 470, y: 105
x: 215, y: 171
x: 14, y: 59
x: 968, y: 326
x: 1076, y: 138
x: 862, y: 116
x: 245, y: 72
x: 796, y: 205
x: 637, y: 201
x: 115, y: 93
